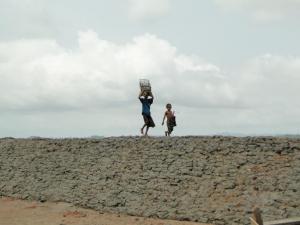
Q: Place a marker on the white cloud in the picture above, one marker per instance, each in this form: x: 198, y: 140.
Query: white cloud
x: 266, y: 10
x: 269, y: 85
x: 271, y: 81
x: 144, y: 9
x: 98, y: 81
x: 37, y: 74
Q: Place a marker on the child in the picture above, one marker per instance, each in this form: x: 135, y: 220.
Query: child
x: 146, y: 99
x: 171, y: 120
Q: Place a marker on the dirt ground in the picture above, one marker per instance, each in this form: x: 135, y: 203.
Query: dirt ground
x: 20, y: 212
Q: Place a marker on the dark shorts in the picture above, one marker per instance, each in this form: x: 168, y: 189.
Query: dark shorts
x: 171, y: 123
x: 170, y: 127
x: 148, y: 120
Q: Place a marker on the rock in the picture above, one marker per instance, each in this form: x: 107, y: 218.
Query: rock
x: 206, y: 179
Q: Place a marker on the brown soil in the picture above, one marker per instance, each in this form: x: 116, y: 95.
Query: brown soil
x: 20, y: 212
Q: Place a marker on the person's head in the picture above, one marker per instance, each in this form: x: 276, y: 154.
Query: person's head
x: 169, y: 106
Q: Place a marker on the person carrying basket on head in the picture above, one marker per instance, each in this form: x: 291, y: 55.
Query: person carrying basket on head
x: 146, y: 98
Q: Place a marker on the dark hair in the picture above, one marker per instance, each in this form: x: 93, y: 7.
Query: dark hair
x: 168, y: 105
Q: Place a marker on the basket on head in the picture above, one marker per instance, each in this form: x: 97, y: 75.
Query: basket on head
x: 145, y: 85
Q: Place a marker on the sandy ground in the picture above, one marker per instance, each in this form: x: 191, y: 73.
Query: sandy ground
x: 20, y: 212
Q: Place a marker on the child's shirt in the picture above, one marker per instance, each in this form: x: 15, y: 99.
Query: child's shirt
x: 146, y: 103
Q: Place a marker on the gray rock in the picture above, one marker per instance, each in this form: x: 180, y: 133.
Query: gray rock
x: 206, y: 179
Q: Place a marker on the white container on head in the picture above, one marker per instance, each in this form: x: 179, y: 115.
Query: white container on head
x: 145, y: 85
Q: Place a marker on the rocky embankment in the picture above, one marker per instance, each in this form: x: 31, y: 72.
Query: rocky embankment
x: 207, y: 179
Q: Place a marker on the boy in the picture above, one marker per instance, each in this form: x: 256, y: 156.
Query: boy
x: 146, y: 99
x: 171, y: 121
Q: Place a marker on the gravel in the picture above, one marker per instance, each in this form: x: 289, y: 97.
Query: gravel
x: 206, y: 179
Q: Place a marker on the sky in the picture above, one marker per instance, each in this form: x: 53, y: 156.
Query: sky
x: 71, y: 68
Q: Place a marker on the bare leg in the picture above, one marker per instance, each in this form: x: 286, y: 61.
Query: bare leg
x: 147, y: 128
x: 142, y: 129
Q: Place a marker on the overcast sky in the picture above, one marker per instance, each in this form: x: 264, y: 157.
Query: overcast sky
x: 70, y: 68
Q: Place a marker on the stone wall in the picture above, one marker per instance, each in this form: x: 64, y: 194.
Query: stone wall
x: 207, y: 179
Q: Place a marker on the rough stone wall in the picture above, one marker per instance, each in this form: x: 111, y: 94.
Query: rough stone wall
x: 207, y: 179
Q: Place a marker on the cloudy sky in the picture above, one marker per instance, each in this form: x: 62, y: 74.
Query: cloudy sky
x: 70, y: 68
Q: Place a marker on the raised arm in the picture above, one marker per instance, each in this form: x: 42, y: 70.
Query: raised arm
x: 140, y: 94
x: 150, y: 94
